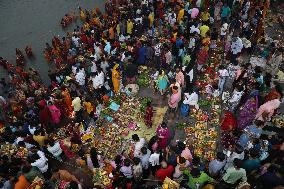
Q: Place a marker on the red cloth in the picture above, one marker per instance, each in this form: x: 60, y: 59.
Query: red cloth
x: 229, y: 122
x: 163, y: 173
x: 148, y: 116
x: 44, y: 116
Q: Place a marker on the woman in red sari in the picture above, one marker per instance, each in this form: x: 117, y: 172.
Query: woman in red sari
x: 44, y: 114
x: 148, y: 115
x: 229, y: 122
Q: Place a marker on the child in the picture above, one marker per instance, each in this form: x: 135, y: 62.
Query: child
x: 162, y: 82
x: 148, y: 115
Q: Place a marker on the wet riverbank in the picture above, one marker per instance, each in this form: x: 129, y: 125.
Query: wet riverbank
x: 35, y: 22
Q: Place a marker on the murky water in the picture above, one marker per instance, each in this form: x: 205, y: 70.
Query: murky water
x: 35, y: 22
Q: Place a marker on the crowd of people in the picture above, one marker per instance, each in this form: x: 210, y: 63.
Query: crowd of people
x: 175, y: 40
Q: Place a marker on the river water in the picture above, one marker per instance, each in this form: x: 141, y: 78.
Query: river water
x: 35, y: 22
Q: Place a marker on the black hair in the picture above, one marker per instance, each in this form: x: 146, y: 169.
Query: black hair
x: 278, y: 88
x: 152, y: 141
x: 181, y: 145
x: 21, y: 143
x: 136, y: 160
x: 94, y: 157
x: 272, y: 168
x: 37, y: 132
x: 221, y: 156
x: 258, y: 123
x: 237, y: 163
x: 33, y: 158
x: 163, y: 125
x: 195, y: 160
x: 239, y: 149
x: 26, y: 169
x: 144, y: 150
x: 254, y: 152
x: 135, y: 137
x: 181, y: 159
x: 127, y: 162
x: 117, y: 160
x: 195, y: 172
x: 73, y: 185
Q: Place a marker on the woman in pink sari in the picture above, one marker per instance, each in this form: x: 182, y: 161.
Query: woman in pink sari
x: 163, y: 134
x: 266, y: 110
x: 55, y: 113
x: 174, y: 98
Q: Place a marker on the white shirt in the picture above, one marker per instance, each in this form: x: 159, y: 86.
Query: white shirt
x: 55, y: 150
x: 190, y: 99
x: 80, y: 78
x: 75, y: 40
x: 74, y: 69
x: 98, y: 80
x: 121, y: 38
x: 138, y: 146
x: 104, y: 66
x: 144, y: 2
x: 97, y: 52
x: 76, y: 103
x: 145, y: 159
x: 236, y: 96
x: 215, y: 166
x: 223, y: 73
x: 32, y: 130
x: 191, y: 42
x: 41, y: 163
x: 198, y: 3
x: 224, y: 29
x: 93, y: 67
x: 231, y: 158
x: 168, y: 57
x: 157, y: 49
x: 194, y: 29
x: 154, y: 159
x: 237, y: 46
x: 172, y: 20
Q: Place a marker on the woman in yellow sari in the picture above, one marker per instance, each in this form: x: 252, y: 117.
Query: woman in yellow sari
x: 115, y: 78
x: 82, y: 14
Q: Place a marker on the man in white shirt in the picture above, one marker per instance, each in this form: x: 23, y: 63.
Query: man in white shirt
x: 157, y: 49
x: 104, y: 65
x: 223, y: 74
x: 194, y: 29
x: 145, y: 155
x: 40, y: 161
x: 80, y: 77
x: 168, y: 57
x: 98, y: 80
x: 224, y: 30
x: 75, y: 40
x: 139, y: 143
x: 216, y: 165
x: 236, y: 97
x: 191, y: 99
x: 237, y: 45
x: 94, y: 65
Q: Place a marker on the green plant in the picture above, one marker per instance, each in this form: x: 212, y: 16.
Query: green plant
x: 144, y: 79
x: 144, y: 102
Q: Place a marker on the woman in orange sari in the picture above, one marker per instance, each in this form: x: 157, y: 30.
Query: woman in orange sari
x: 115, y: 78
x: 67, y: 100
